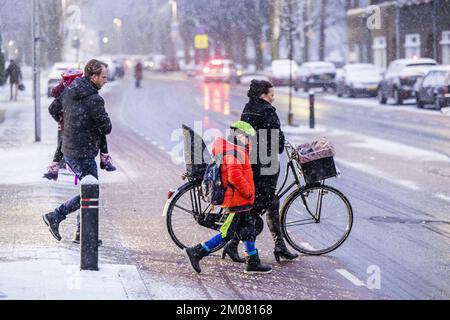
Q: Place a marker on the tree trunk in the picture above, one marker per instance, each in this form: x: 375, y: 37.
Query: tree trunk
x: 322, y: 40
x: 275, y: 29
x: 306, y: 17
x: 259, y: 63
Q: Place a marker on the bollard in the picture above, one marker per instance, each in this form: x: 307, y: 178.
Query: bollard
x: 312, y: 121
x: 89, y: 223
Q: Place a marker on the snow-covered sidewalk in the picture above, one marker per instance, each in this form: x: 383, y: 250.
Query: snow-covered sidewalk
x: 40, y: 273
x: 32, y: 264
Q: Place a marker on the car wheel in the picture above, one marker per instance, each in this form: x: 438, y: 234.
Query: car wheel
x: 381, y: 98
x: 419, y: 103
x: 397, y: 98
x: 438, y: 104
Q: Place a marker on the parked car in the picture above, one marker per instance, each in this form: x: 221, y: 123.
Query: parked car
x: 317, y: 74
x: 279, y: 72
x: 434, y: 89
x: 358, y: 78
x: 223, y: 70
x: 169, y: 64
x: 55, y: 74
x: 400, y: 78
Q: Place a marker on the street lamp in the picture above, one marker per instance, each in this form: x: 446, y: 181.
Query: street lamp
x: 117, y: 22
x: 11, y: 43
x: 105, y: 40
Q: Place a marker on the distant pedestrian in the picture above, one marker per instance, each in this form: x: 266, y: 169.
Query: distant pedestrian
x: 85, y: 121
x: 138, y: 74
x: 15, y: 78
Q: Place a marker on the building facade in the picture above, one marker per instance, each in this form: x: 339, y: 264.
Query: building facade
x: 389, y: 30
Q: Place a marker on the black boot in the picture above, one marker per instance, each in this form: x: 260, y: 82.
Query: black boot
x: 52, y: 220
x: 194, y: 255
x: 281, y: 251
x: 76, y: 238
x: 254, y: 265
x: 231, y: 249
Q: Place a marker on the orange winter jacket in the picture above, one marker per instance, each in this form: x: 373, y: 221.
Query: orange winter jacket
x: 237, y: 176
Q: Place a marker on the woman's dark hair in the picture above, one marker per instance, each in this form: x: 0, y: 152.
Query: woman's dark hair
x: 258, y: 88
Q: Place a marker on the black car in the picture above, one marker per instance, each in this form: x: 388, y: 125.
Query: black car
x: 400, y: 78
x: 434, y: 89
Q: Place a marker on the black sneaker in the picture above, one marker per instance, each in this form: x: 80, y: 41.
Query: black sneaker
x: 52, y: 221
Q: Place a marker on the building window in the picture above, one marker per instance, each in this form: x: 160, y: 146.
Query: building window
x: 445, y: 44
x: 412, y: 46
x: 379, y: 48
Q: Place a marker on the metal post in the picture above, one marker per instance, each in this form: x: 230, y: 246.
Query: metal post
x: 89, y: 223
x: 291, y: 56
x: 312, y: 121
x: 36, y: 73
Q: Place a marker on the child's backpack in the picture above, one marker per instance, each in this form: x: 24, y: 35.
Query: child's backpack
x: 212, y: 185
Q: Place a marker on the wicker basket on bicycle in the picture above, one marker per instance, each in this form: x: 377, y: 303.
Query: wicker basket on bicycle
x: 317, y: 160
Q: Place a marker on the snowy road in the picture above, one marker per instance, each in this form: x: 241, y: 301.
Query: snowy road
x: 396, y: 169
x: 396, y: 172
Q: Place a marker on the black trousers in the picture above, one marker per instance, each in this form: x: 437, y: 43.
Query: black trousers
x: 240, y: 225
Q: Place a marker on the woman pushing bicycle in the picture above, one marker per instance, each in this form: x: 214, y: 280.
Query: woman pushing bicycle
x: 262, y: 116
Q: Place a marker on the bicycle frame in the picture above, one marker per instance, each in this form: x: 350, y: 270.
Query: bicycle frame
x: 291, y: 166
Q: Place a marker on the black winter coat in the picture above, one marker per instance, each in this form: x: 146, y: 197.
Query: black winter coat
x: 262, y: 115
x: 85, y: 119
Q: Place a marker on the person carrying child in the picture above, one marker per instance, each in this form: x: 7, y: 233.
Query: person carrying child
x: 55, y: 110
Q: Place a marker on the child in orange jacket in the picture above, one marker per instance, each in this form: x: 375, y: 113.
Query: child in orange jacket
x: 237, y: 179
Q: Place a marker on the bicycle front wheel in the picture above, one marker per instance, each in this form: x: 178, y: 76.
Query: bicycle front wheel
x: 316, y: 219
x: 185, y: 211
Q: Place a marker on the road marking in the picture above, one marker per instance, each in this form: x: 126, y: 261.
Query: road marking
x: 161, y: 148
x: 350, y: 277
x: 154, y: 143
x: 379, y: 174
x: 392, y: 148
x: 307, y: 246
x: 442, y: 197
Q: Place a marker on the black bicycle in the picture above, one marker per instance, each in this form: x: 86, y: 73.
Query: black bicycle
x: 316, y: 218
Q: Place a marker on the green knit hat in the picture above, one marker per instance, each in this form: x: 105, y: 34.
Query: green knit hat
x: 244, y: 128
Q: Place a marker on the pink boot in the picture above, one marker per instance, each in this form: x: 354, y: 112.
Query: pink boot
x: 106, y: 162
x: 52, y: 172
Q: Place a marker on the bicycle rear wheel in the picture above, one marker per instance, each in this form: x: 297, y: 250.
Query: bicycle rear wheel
x: 316, y: 219
x: 187, y: 212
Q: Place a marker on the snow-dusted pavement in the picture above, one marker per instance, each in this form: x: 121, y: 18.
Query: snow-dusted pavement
x: 396, y: 172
